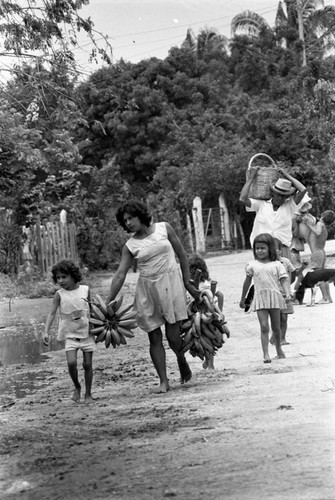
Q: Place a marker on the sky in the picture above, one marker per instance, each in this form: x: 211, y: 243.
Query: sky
x: 140, y: 29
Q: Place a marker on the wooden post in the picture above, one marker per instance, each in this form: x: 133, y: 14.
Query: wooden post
x: 225, y: 223
x: 198, y: 225
x: 40, y: 254
x: 189, y: 232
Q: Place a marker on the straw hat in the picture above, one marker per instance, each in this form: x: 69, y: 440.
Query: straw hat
x: 283, y: 187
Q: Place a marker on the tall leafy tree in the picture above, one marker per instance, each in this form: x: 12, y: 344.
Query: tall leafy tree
x: 47, y: 29
x: 207, y: 42
x: 303, y: 20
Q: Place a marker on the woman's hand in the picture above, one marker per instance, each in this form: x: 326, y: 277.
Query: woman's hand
x: 192, y: 290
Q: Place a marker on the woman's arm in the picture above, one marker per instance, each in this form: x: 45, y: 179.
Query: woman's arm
x: 183, y: 260
x: 297, y: 184
x: 51, y: 317
x: 121, y: 273
x: 245, y: 288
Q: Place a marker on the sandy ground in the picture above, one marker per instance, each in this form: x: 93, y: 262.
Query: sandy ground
x: 245, y: 431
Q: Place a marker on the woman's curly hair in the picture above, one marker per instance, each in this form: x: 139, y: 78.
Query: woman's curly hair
x: 135, y: 208
x: 197, y: 262
x: 66, y: 267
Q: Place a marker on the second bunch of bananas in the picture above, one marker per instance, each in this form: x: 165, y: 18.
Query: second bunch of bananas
x: 203, y: 332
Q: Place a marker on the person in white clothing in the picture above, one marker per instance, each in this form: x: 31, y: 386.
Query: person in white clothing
x: 72, y: 301
x: 274, y: 216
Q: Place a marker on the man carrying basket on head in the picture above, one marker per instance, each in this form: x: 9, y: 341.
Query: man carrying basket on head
x: 274, y: 216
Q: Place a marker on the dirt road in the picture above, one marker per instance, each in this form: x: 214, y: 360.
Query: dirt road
x: 245, y: 431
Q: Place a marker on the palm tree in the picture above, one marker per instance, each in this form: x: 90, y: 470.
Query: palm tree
x: 313, y: 24
x: 248, y: 23
x: 208, y: 40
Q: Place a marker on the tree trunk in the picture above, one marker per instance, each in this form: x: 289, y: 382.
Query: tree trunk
x: 301, y: 32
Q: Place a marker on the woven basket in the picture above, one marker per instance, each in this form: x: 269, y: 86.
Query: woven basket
x: 265, y: 177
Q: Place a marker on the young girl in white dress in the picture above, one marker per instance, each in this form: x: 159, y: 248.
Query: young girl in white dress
x: 160, y: 296
x: 270, y: 278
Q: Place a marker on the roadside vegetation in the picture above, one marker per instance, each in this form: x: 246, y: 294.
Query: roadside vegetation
x: 162, y: 130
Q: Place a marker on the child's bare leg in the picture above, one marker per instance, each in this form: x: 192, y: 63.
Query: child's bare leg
x: 275, y: 325
x: 175, y: 342
x: 71, y: 357
x: 283, y: 328
x: 326, y: 297
x: 88, y: 371
x: 263, y: 318
x: 210, y: 362
x: 158, y: 357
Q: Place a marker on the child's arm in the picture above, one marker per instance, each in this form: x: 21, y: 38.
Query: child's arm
x: 286, y: 287
x: 245, y: 288
x: 51, y: 317
x: 315, y: 228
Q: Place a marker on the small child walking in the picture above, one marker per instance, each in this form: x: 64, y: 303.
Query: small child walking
x: 205, y: 283
x: 72, y: 301
x: 270, y: 278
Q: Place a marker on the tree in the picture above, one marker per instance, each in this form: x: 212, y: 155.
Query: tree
x: 303, y: 20
x: 47, y: 30
x: 206, y: 43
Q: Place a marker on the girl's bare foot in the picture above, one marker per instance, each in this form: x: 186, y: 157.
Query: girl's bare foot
x: 267, y: 359
x: 272, y: 340
x: 280, y: 354
x: 205, y: 364
x: 76, y: 395
x: 284, y: 342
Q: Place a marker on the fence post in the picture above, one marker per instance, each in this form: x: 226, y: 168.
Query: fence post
x: 225, y: 223
x: 40, y: 255
x: 189, y: 232
x: 198, y: 225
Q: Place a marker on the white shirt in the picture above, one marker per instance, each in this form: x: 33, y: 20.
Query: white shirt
x: 278, y: 223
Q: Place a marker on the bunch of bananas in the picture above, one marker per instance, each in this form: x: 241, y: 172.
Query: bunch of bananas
x: 111, y: 323
x: 203, y: 331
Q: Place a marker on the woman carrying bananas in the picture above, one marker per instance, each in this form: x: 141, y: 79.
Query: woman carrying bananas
x: 160, y: 297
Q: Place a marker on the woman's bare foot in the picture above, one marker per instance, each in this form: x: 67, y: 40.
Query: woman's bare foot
x: 205, y: 364
x: 280, y: 354
x: 89, y: 400
x: 76, y: 395
x: 185, y: 370
x: 272, y: 340
x: 284, y: 342
x: 163, y: 388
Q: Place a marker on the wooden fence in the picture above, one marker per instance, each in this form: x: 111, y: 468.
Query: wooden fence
x: 51, y: 242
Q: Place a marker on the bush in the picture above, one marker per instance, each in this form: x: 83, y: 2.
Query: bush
x: 32, y: 284
x: 10, y: 244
